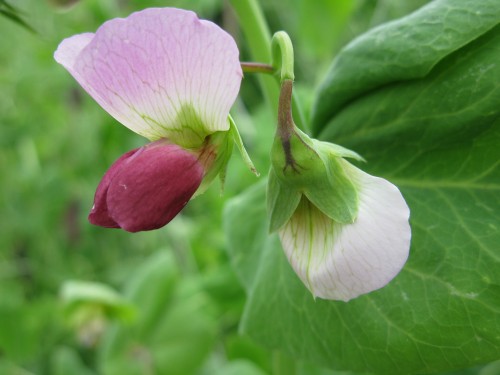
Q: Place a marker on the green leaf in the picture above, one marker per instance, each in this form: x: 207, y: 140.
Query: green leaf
x: 246, y: 239
x: 241, y: 367
x: 25, y: 326
x: 436, y: 134
x: 314, y: 17
x: 491, y: 369
x: 8, y: 11
x: 159, y: 274
x: 404, y: 49
x: 77, y: 295
x: 175, y: 329
x: 66, y: 361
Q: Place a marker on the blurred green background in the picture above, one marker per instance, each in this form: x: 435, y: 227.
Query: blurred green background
x: 173, y: 303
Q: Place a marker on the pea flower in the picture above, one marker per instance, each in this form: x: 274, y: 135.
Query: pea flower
x: 171, y: 78
x: 344, y: 232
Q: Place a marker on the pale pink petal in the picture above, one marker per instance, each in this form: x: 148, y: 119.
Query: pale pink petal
x: 158, y: 72
x: 69, y: 49
x: 341, y: 262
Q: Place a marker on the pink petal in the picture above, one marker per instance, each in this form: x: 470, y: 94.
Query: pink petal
x: 68, y: 51
x: 150, y: 69
x: 152, y: 186
x: 99, y: 214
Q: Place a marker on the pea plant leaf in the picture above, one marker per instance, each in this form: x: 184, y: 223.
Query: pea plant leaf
x: 432, y: 127
x: 401, y: 50
x: 175, y: 326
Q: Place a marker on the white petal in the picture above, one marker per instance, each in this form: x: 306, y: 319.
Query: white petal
x: 341, y: 262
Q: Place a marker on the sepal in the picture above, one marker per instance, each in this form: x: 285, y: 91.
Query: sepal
x: 336, y: 150
x: 282, y: 202
x: 314, y: 169
x: 233, y: 129
x: 215, y: 155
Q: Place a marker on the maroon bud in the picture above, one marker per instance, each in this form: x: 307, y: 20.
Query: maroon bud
x: 99, y: 214
x: 146, y: 187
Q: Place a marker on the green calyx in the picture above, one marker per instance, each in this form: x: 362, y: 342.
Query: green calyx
x: 302, y: 166
x: 216, y: 152
x: 282, y: 201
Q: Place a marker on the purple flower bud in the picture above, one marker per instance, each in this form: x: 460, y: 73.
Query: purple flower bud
x: 147, y: 187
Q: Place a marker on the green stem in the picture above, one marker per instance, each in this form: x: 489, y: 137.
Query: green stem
x: 283, y: 55
x: 258, y: 36
x: 286, y: 126
x: 255, y: 67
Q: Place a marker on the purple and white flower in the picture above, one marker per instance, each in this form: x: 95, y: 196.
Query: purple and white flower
x: 172, y: 78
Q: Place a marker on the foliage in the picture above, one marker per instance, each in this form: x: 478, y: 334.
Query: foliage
x: 9, y: 12
x: 423, y: 114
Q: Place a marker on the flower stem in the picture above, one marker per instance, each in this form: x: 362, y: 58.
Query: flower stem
x: 258, y: 36
x: 255, y: 67
x: 286, y: 125
x: 283, y: 55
